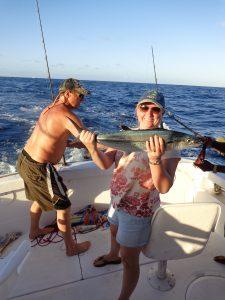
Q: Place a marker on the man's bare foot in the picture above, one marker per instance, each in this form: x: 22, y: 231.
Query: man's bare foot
x: 40, y: 232
x: 78, y: 248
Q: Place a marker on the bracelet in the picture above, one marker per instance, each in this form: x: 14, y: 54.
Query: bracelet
x: 156, y: 162
x: 214, y: 168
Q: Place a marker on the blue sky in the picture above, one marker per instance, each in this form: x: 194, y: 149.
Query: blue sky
x: 111, y: 40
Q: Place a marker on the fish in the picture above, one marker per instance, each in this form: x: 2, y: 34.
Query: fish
x: 135, y: 140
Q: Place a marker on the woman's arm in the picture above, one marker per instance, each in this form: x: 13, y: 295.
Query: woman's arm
x: 102, y: 160
x: 163, y: 171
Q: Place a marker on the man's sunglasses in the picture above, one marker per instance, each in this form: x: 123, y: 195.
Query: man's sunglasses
x: 145, y: 108
x: 81, y: 96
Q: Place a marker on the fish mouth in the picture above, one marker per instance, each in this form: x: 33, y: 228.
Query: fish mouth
x: 196, y: 143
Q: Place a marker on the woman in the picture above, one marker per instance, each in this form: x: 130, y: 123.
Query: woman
x: 137, y: 180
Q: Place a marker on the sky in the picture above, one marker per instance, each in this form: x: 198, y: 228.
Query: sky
x: 111, y: 40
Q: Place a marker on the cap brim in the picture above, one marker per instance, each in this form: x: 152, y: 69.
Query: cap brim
x: 151, y: 101
x: 83, y: 91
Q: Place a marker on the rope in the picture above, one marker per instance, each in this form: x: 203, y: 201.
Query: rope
x: 45, y: 51
x: 86, y: 220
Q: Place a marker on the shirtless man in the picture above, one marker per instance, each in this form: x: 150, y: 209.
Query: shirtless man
x: 43, y: 150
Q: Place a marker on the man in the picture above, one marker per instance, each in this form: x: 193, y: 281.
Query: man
x: 205, y: 165
x: 42, y: 151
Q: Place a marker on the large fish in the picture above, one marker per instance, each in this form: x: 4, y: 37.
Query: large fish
x: 135, y: 140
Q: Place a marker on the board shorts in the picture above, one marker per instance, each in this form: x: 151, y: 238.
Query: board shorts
x: 132, y: 231
x: 42, y: 183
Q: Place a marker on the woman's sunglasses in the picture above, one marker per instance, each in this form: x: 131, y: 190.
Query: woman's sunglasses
x: 145, y: 108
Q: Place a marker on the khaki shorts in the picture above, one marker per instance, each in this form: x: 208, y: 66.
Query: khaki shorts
x: 42, y: 183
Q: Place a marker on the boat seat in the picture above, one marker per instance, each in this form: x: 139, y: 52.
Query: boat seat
x: 9, y: 268
x: 178, y: 231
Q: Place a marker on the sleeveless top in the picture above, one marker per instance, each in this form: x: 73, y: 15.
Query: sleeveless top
x: 132, y: 189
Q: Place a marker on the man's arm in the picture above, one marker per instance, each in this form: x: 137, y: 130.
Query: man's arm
x: 75, y: 144
x: 73, y: 124
x: 102, y: 160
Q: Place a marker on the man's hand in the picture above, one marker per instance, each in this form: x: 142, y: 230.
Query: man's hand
x: 75, y: 144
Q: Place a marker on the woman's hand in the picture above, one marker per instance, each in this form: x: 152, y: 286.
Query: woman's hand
x: 88, y: 139
x: 155, y: 149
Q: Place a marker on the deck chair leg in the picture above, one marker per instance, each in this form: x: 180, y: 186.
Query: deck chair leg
x: 160, y: 278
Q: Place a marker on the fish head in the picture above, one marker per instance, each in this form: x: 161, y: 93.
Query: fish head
x: 189, y: 141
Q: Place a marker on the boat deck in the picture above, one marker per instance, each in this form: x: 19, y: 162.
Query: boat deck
x: 49, y: 274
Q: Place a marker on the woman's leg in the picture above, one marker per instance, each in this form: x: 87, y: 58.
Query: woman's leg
x: 114, y: 246
x: 113, y: 254
x: 131, y: 270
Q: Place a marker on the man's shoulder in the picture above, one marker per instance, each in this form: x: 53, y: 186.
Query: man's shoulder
x: 61, y: 110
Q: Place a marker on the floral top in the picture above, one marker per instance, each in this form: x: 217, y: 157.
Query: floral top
x: 132, y: 188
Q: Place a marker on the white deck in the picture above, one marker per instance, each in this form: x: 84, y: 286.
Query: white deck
x: 49, y: 274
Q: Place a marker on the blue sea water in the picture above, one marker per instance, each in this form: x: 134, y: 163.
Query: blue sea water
x: 110, y: 105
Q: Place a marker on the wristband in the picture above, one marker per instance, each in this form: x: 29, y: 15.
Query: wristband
x: 155, y: 162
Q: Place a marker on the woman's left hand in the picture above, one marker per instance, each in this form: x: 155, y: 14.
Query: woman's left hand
x: 88, y: 138
x: 155, y: 148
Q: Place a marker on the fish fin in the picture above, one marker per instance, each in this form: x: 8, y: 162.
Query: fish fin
x: 125, y: 127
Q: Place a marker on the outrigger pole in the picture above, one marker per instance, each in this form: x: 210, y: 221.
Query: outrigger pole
x: 46, y: 59
x: 45, y: 51
x: 153, y: 60
x: 169, y: 113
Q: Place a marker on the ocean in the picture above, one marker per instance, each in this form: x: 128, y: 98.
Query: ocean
x: 110, y: 105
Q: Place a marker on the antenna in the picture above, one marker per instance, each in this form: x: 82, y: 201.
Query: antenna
x: 153, y: 60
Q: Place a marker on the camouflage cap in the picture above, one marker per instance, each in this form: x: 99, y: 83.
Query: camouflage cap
x: 153, y: 97
x: 73, y: 85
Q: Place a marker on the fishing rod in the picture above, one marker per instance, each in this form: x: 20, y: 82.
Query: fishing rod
x: 46, y: 59
x: 169, y: 113
x: 45, y: 51
x: 153, y: 60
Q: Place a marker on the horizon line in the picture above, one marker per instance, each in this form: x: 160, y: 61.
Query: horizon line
x: 176, y: 84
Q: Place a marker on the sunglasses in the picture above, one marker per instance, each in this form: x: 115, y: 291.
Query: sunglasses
x: 145, y: 108
x: 81, y: 96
